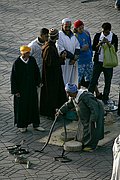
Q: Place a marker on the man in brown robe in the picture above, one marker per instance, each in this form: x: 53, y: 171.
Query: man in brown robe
x: 53, y: 93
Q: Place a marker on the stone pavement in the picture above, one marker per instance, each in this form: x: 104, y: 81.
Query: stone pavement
x: 20, y: 22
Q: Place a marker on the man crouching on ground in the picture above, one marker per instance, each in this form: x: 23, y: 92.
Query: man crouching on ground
x: 90, y: 113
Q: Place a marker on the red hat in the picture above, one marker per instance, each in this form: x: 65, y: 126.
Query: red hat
x: 78, y: 23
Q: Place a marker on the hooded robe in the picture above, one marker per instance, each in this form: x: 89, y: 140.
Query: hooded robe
x: 25, y: 78
x: 53, y: 93
x: 90, y: 111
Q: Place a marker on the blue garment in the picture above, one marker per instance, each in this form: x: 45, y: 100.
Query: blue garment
x: 84, y: 39
x: 85, y: 65
x: 85, y: 70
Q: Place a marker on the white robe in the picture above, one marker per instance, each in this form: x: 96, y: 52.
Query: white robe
x: 36, y: 52
x: 116, y: 159
x: 70, y: 72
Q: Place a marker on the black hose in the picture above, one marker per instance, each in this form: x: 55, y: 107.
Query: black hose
x: 49, y: 136
x: 50, y: 133
x: 61, y: 158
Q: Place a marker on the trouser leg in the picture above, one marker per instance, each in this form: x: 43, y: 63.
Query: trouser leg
x: 108, y: 73
x: 97, y: 69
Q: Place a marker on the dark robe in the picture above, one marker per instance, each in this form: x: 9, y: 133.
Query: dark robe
x: 90, y: 111
x: 25, y: 78
x: 53, y: 93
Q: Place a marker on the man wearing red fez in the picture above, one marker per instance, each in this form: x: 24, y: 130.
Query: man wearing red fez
x: 85, y: 64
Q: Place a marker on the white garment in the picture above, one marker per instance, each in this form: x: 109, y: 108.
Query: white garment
x: 80, y: 91
x: 116, y: 159
x: 70, y: 72
x: 109, y: 37
x: 36, y: 52
x: 25, y: 61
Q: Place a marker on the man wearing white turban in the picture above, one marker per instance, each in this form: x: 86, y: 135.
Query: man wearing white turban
x: 68, y: 43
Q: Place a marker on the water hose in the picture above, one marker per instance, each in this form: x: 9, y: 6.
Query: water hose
x: 61, y: 158
x: 49, y: 136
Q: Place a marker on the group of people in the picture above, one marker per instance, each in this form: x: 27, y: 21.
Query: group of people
x: 54, y: 66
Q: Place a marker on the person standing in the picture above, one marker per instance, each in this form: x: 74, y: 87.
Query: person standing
x: 36, y: 52
x: 85, y: 64
x: 36, y: 47
x: 106, y: 36
x: 90, y: 112
x: 53, y: 93
x: 69, y: 44
x: 25, y: 78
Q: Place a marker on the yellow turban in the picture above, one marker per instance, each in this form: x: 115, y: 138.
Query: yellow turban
x: 25, y: 49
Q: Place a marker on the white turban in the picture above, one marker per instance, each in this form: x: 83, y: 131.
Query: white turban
x: 64, y: 21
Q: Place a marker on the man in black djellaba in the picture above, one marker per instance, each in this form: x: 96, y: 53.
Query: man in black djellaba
x: 25, y: 78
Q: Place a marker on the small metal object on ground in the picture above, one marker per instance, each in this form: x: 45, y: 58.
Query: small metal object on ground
x: 23, y: 160
x: 63, y: 159
x: 72, y: 146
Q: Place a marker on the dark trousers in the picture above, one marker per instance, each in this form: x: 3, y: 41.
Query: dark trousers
x: 108, y: 73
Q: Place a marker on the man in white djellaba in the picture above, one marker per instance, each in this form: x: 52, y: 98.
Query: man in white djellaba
x: 68, y: 43
x: 36, y: 46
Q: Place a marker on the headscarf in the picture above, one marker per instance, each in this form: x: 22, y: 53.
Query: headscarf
x: 66, y: 20
x: 78, y: 23
x: 53, y: 32
x: 72, y: 88
x: 24, y: 49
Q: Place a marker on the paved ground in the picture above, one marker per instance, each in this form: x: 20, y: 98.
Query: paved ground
x: 20, y: 22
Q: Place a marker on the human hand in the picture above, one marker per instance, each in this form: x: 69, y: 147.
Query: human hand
x: 41, y: 84
x: 58, y: 113
x: 64, y: 55
x: 72, y: 62
x: 85, y: 47
x: 105, y: 40
x: 17, y: 94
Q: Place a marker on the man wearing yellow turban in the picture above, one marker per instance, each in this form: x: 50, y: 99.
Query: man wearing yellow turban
x: 25, y: 78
